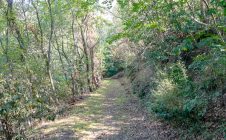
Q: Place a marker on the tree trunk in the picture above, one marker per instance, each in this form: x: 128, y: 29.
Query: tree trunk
x: 12, y: 24
x: 94, y: 79
x: 204, y: 7
x: 47, y: 57
x: 50, y: 47
x: 85, y: 47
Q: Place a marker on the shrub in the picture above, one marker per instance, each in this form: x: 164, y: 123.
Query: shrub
x: 175, y: 97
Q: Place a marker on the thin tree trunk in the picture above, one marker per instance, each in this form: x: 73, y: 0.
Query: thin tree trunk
x: 47, y: 57
x: 25, y: 20
x: 74, y: 84
x: 61, y: 59
x: 85, y: 47
x: 41, y: 32
x: 204, y: 7
x: 50, y: 47
x: 94, y: 80
x: 12, y: 24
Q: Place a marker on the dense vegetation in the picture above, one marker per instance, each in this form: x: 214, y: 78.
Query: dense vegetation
x: 173, y: 52
x: 48, y: 56
x: 180, y: 65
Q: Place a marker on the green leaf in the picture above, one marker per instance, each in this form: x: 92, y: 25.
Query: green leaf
x: 137, y: 6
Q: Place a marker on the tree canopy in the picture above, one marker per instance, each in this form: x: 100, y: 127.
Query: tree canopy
x: 52, y: 52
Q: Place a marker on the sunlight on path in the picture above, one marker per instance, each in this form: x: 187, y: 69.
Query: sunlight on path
x: 93, y: 118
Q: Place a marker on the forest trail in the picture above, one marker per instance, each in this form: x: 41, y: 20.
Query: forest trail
x: 108, y: 114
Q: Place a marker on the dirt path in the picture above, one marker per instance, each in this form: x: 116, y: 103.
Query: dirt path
x: 108, y: 114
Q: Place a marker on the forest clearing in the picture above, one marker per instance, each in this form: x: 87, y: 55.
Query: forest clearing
x: 112, y: 69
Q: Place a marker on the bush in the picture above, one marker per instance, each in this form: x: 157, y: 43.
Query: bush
x: 113, y: 68
x: 112, y: 64
x: 173, y: 95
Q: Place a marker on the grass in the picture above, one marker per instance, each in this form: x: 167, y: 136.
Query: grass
x: 89, y: 115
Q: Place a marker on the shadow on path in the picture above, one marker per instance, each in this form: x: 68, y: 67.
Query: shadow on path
x: 108, y: 114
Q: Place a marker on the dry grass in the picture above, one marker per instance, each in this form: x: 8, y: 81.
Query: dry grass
x: 88, y: 119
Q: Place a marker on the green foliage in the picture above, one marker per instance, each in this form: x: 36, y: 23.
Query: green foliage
x: 123, y: 3
x: 172, y: 98
x: 112, y: 65
x: 52, y: 66
x: 116, y: 37
x: 179, y: 66
x: 183, y: 46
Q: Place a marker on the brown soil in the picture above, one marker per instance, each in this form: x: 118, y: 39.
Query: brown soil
x: 108, y: 114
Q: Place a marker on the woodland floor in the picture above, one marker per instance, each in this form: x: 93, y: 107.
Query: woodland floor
x: 110, y: 113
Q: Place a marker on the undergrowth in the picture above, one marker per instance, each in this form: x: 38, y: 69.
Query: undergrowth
x: 174, y: 96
